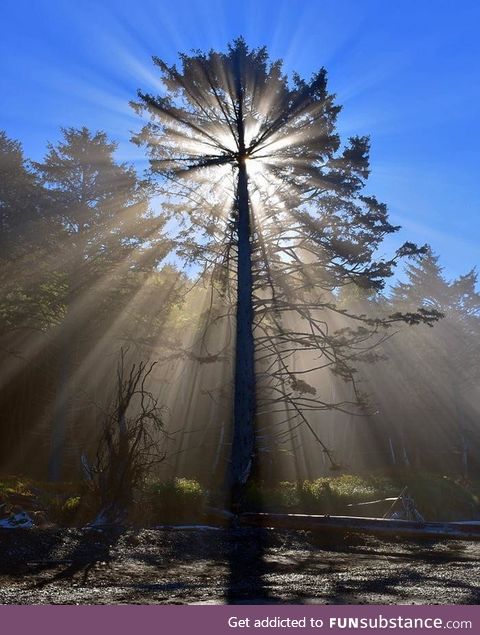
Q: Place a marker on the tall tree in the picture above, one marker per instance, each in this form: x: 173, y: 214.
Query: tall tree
x: 252, y: 163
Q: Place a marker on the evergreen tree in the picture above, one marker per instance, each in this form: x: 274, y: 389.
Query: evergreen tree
x: 251, y: 162
x: 445, y: 358
x: 27, y: 234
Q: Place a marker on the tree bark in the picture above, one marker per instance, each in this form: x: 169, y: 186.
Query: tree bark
x: 243, y: 442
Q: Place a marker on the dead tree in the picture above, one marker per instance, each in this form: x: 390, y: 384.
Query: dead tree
x: 130, y: 443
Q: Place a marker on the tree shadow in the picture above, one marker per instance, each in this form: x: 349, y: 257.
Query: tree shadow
x: 93, y: 547
x: 245, y: 554
x: 22, y: 548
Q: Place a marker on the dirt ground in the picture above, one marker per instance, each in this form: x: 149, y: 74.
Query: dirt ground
x: 244, y: 566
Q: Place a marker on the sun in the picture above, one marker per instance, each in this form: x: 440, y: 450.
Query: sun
x: 255, y: 167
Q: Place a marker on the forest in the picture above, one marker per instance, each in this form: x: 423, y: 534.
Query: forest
x: 225, y: 329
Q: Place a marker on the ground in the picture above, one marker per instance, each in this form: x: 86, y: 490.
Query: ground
x: 251, y: 566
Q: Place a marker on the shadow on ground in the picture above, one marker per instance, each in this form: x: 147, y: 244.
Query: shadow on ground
x: 236, y: 566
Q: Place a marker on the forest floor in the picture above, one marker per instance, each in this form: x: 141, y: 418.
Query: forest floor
x: 244, y: 566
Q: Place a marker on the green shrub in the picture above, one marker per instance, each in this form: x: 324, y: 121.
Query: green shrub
x: 283, y: 496
x: 177, y: 500
x: 14, y: 485
x: 317, y: 497
x: 182, y: 500
x: 63, y: 510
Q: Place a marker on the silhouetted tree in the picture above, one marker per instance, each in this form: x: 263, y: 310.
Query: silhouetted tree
x: 129, y: 443
x: 27, y: 234
x: 19, y: 197
x: 251, y: 163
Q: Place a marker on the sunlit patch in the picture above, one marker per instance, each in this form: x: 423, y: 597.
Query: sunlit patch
x: 255, y: 166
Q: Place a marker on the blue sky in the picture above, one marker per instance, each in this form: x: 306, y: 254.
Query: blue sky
x: 406, y: 73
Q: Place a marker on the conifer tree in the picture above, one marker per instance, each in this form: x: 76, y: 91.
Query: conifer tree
x: 251, y: 163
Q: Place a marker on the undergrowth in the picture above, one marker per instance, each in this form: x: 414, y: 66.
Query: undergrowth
x: 182, y: 500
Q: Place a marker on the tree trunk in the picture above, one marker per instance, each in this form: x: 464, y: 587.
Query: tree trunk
x: 392, y: 451
x: 243, y: 442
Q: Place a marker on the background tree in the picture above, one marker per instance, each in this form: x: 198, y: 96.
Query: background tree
x: 251, y: 163
x: 451, y: 350
x: 111, y: 239
x: 19, y: 208
x: 27, y: 234
x: 81, y: 278
x: 30, y: 298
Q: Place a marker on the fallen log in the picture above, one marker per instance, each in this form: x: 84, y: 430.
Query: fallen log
x: 376, y: 526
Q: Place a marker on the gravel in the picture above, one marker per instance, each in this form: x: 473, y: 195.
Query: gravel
x: 242, y: 566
